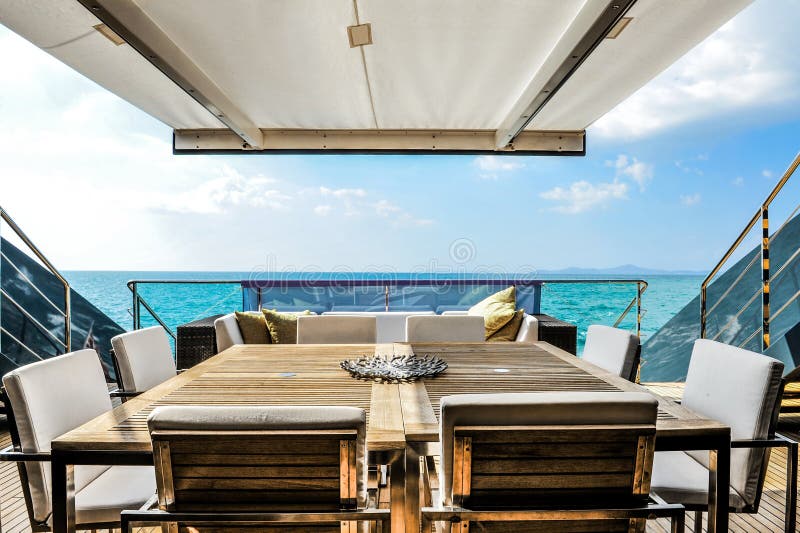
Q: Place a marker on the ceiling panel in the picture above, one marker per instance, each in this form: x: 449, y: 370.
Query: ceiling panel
x: 286, y: 64
x: 457, y: 64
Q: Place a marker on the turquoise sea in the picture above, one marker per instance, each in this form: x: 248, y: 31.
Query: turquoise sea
x: 582, y: 304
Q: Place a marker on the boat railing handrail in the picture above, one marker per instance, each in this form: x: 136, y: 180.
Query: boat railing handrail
x: 139, y: 301
x: 763, y: 214
x: 66, y: 312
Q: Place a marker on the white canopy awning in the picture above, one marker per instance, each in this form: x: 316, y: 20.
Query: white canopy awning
x: 464, y: 76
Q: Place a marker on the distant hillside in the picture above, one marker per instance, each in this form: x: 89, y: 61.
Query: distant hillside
x: 622, y: 270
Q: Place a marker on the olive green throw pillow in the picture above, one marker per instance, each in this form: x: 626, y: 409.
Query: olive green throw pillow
x: 497, y: 309
x: 253, y: 327
x: 282, y: 326
x: 510, y: 330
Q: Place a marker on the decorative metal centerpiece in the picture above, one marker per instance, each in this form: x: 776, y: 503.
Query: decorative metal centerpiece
x: 398, y: 369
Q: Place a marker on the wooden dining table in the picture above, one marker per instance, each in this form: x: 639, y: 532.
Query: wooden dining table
x: 402, y: 419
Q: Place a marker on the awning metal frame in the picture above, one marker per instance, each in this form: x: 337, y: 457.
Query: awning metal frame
x: 380, y: 142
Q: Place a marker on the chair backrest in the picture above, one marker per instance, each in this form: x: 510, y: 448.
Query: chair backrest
x: 391, y: 325
x: 48, y: 399
x: 741, y: 389
x: 259, y: 458
x: 439, y: 328
x: 144, y: 358
x: 527, y: 450
x: 336, y: 329
x: 227, y: 331
x: 613, y: 349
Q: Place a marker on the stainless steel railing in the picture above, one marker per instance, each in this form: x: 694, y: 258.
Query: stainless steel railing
x: 62, y: 345
x: 766, y: 276
x: 139, y: 301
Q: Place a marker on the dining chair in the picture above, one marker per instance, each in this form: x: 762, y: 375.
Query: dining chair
x: 548, y: 462
x: 444, y: 328
x: 47, y: 399
x: 336, y: 329
x: 613, y: 349
x: 296, y: 468
x: 741, y: 389
x: 142, y: 360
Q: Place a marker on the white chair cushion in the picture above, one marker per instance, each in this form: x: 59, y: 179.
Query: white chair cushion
x: 144, y: 358
x: 242, y: 418
x: 740, y: 389
x: 438, y: 328
x: 342, y: 329
x: 678, y: 477
x: 227, y: 331
x: 391, y: 324
x: 116, y: 489
x: 610, y: 348
x: 50, y: 398
x: 537, y: 408
x: 528, y: 330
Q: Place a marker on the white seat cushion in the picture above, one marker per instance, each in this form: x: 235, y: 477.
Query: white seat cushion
x: 679, y: 478
x: 227, y: 331
x: 331, y: 329
x: 438, y: 328
x: 144, y: 358
x: 528, y: 330
x: 116, y: 489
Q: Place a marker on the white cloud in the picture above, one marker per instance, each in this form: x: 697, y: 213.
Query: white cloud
x: 398, y: 215
x: 492, y: 165
x: 630, y: 167
x: 582, y: 196
x: 343, y: 193
x: 218, y: 195
x: 748, y: 64
x: 767, y: 173
x: 738, y: 181
x: 690, y: 199
x: 323, y: 210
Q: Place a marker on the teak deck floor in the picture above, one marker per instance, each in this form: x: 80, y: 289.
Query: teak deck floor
x: 14, y: 516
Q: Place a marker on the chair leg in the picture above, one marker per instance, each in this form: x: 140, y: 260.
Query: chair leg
x: 698, y: 522
x: 790, y: 518
x: 678, y: 523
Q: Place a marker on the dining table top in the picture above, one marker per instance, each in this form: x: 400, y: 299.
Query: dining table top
x: 397, y: 414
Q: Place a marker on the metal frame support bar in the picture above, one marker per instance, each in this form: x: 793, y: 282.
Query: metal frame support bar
x: 131, y: 23
x: 590, y: 26
x: 765, y: 277
x: 216, y: 141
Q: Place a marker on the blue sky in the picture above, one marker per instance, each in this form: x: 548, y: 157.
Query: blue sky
x: 670, y: 177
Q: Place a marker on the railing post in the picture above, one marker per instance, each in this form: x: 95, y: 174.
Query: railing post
x: 67, y: 320
x: 135, y: 306
x: 703, y: 311
x: 764, y: 276
x: 638, y: 309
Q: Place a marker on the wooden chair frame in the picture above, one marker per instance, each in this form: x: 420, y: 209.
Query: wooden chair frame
x: 348, y: 514
x: 643, y: 506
